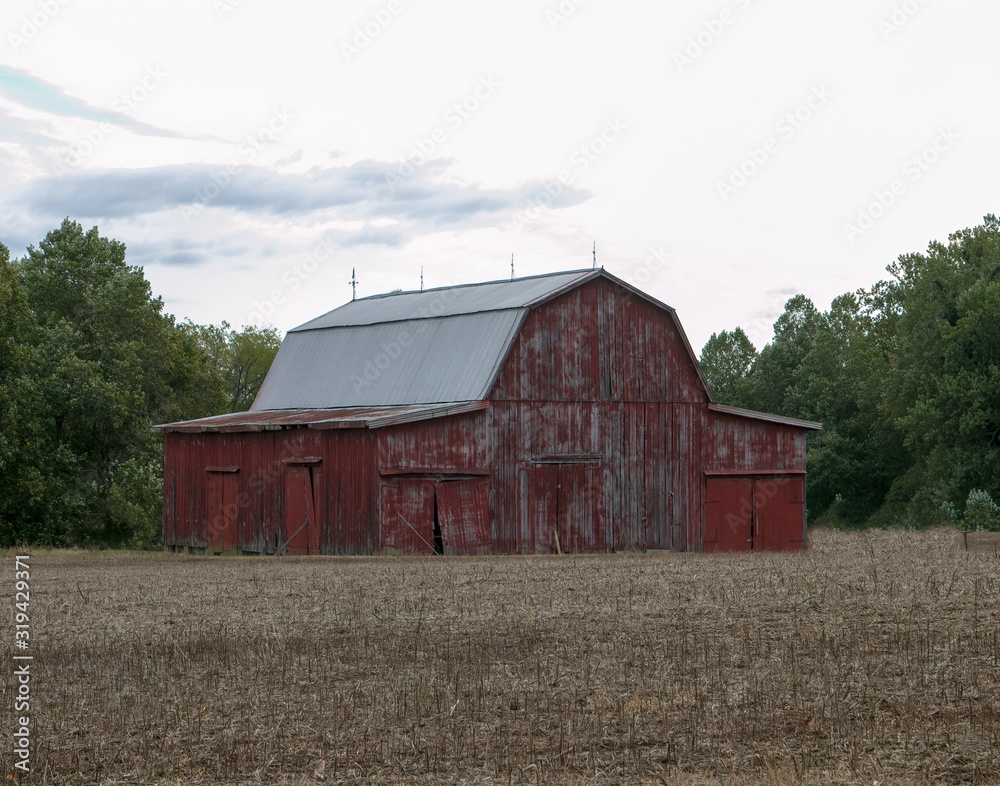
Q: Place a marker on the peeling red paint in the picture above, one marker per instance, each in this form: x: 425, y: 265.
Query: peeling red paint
x: 599, y: 435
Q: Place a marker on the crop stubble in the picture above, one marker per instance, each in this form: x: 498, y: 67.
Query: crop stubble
x: 870, y: 657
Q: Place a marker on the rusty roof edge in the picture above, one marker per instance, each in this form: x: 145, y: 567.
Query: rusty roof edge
x: 430, y: 412
x: 230, y: 421
x: 750, y: 413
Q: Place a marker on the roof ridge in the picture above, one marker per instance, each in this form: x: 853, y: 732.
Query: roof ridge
x: 460, y: 299
x: 476, y: 284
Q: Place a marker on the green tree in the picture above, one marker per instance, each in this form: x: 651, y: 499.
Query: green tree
x: 239, y: 360
x: 773, y: 373
x: 839, y: 382
x: 726, y: 359
x: 97, y: 363
x: 904, y: 377
x: 944, y: 375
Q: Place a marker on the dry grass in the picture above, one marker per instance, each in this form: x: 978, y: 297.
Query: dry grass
x: 871, y: 657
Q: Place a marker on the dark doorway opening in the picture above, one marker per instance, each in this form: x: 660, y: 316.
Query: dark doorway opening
x: 438, y: 540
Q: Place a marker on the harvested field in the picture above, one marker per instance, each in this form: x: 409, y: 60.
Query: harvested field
x: 871, y: 657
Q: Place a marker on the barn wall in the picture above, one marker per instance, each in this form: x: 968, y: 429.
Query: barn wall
x: 600, y: 371
x: 599, y: 342
x: 749, y: 500
x: 460, y: 441
x: 737, y: 443
x: 350, y: 473
x: 344, y: 483
x: 649, y: 495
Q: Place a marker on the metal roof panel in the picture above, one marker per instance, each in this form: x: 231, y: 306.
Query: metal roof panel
x: 421, y: 361
x: 449, y: 301
x: 753, y: 414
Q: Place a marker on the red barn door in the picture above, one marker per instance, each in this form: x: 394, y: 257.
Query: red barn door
x: 728, y: 514
x: 579, y: 524
x: 539, y: 501
x: 778, y: 508
x: 561, y: 500
x: 407, y: 515
x: 221, y: 511
x: 463, y: 509
x: 301, y: 527
x: 759, y: 512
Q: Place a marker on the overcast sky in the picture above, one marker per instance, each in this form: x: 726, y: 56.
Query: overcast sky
x: 723, y: 155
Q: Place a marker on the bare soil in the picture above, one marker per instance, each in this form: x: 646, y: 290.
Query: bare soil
x: 870, y: 658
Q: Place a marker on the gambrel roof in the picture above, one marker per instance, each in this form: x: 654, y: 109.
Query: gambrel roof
x: 410, y: 356
x: 437, y: 346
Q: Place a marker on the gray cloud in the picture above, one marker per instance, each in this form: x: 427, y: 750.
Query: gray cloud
x: 184, y: 259
x: 358, y: 191
x: 35, y: 93
x: 374, y: 237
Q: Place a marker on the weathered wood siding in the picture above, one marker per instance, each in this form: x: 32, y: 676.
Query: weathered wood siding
x: 345, y: 486
x: 461, y: 442
x: 602, y: 374
x: 738, y: 443
x: 599, y: 342
x: 598, y: 437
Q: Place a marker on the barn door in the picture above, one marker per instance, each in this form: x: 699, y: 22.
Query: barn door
x: 221, y: 512
x: 728, y: 514
x: 762, y: 512
x: 407, y: 515
x: 559, y: 504
x: 778, y: 511
x: 539, y: 506
x: 301, y: 527
x: 463, y: 513
x: 577, y: 517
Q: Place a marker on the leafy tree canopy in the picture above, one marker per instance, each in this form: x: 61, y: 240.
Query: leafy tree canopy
x: 88, y: 362
x: 904, y: 376
x: 725, y: 360
x: 239, y: 360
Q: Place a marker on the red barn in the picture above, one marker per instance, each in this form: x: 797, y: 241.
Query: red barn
x: 563, y: 412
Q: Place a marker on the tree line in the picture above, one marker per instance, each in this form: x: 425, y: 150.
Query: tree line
x: 904, y: 376
x: 88, y: 363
